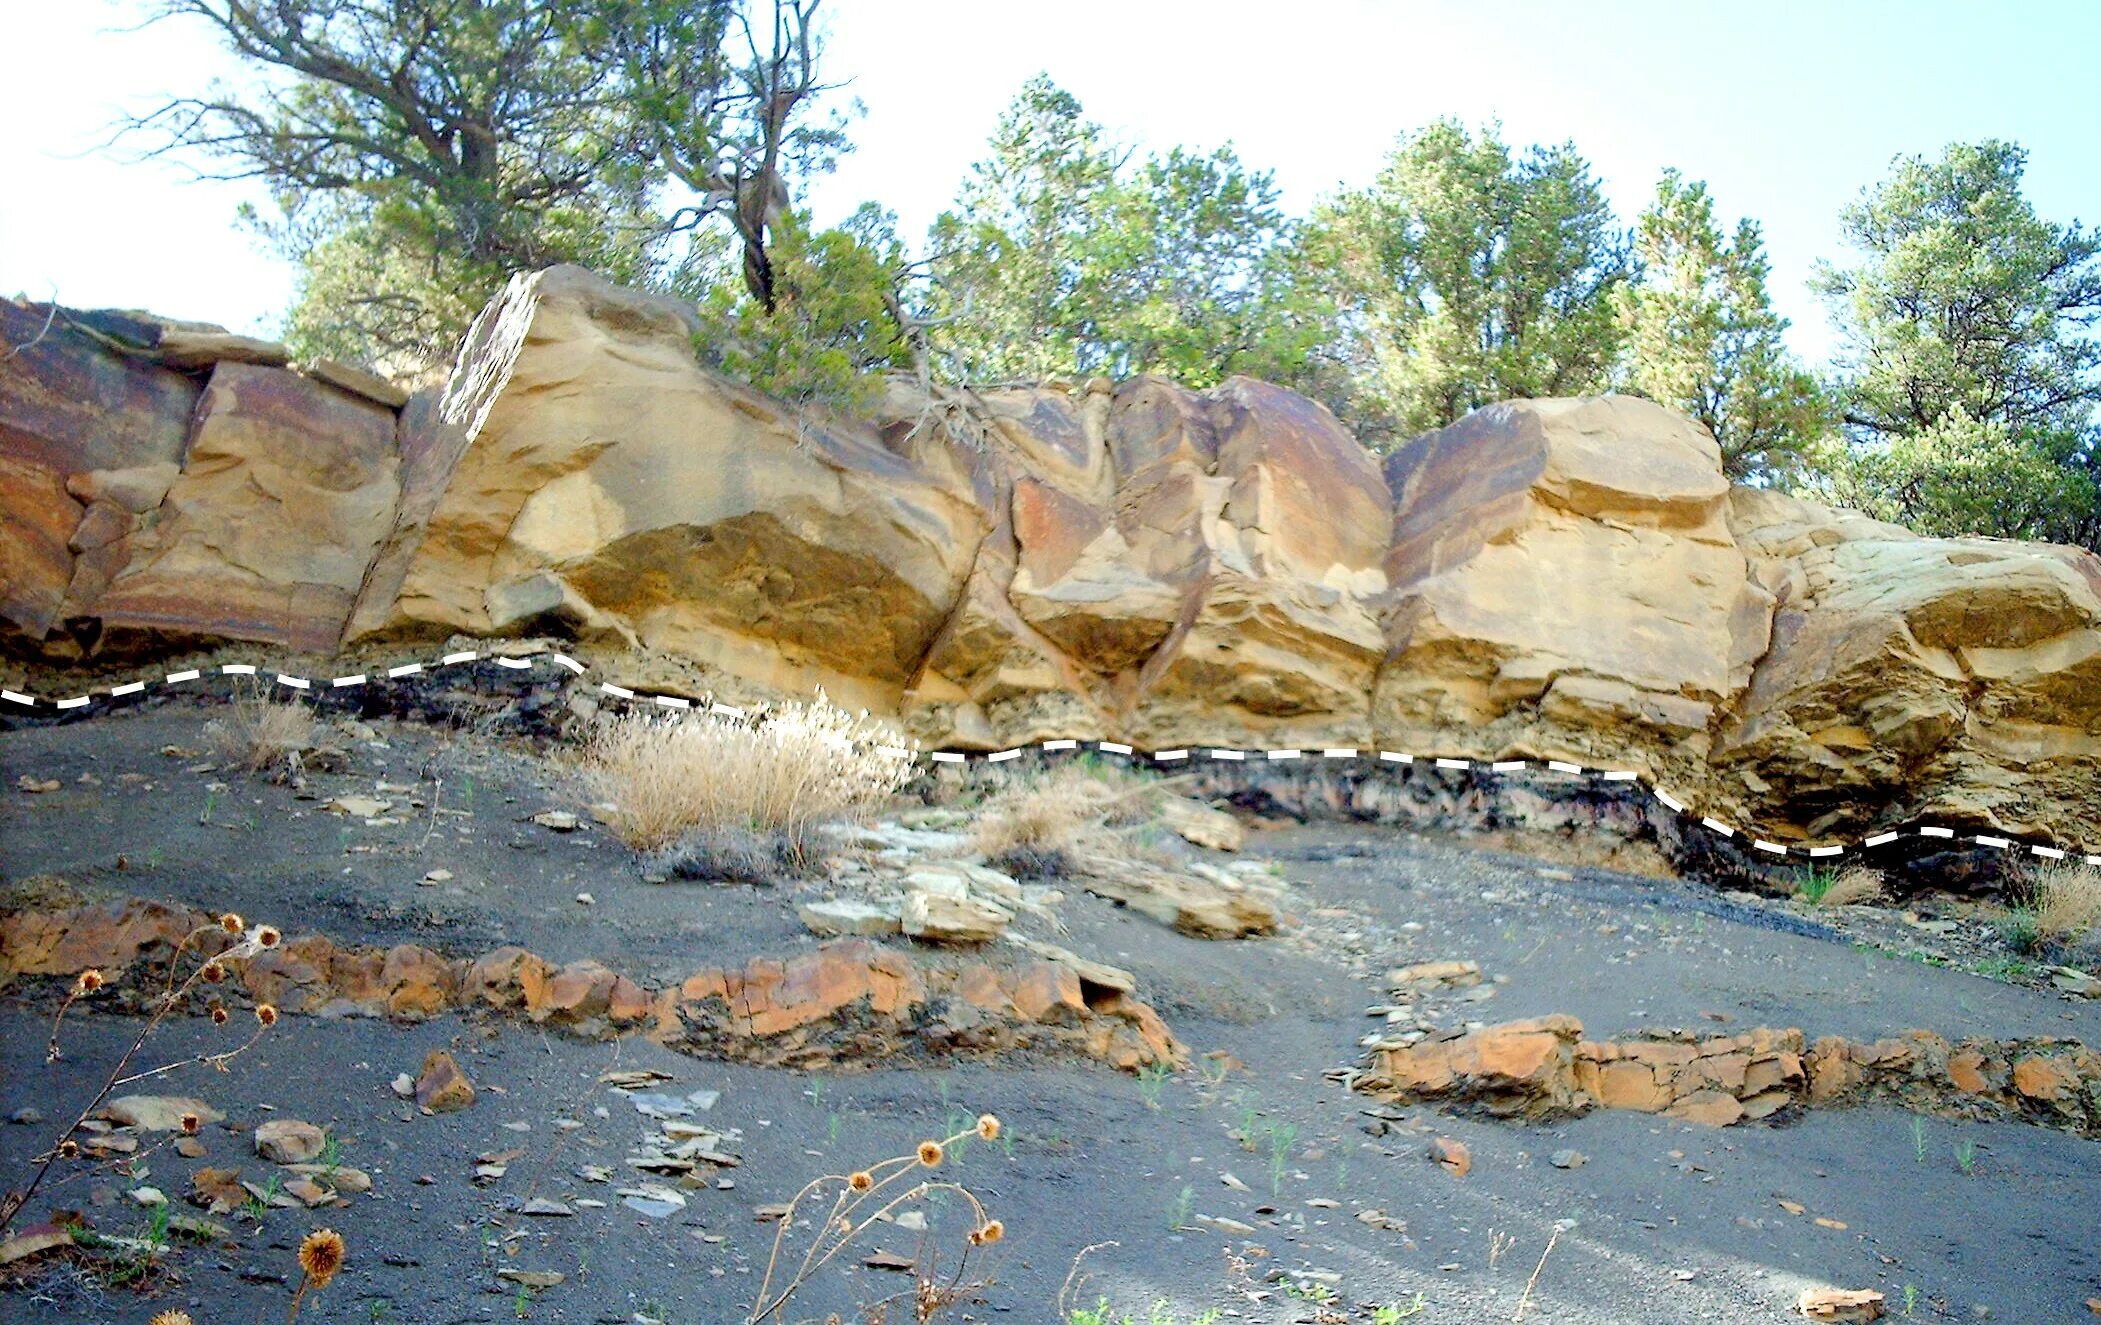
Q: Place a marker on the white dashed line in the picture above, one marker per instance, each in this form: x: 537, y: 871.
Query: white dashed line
x: 727, y: 711
x: 1002, y: 756
x: 1228, y: 754
x: 1621, y: 775
x: 1061, y: 745
x: 1396, y: 757
x: 618, y: 692
x: 1453, y: 763
x: 1169, y: 756
x: 13, y: 698
x: 673, y: 702
x: 76, y: 702
x: 135, y: 687
x: 1719, y: 827
x: 1508, y: 766
x: 1340, y: 752
x: 406, y: 669
x: 1774, y: 847
x: 1936, y: 832
x: 1285, y: 754
x: 1827, y: 851
x: 451, y: 658
x: 1677, y: 806
x: 238, y: 669
x: 2048, y: 853
x: 515, y: 664
x: 1880, y: 839
x: 1559, y: 767
x: 355, y: 680
x: 894, y: 751
x: 296, y: 682
x: 947, y: 757
x: 177, y: 678
x: 1112, y: 747
x: 2000, y: 842
x: 570, y: 663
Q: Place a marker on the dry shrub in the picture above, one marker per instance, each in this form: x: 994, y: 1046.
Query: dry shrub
x: 1856, y: 885
x: 260, y: 734
x: 748, y: 790
x: 2067, y: 901
x: 1036, y: 825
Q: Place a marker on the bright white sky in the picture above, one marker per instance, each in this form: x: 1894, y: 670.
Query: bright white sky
x: 1786, y: 109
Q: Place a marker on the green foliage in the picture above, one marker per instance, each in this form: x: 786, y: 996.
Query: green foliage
x: 1969, y: 358
x: 1957, y: 475
x: 1702, y: 337
x: 419, y: 151
x: 1815, y: 884
x: 1467, y: 275
x: 831, y: 327
x: 1062, y: 257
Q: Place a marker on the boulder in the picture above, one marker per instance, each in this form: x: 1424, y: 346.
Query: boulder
x: 289, y: 1141
x: 1565, y: 583
x: 609, y: 483
x: 286, y: 492
x: 1958, y: 679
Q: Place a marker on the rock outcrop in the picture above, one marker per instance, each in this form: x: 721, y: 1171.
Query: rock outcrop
x: 1136, y: 562
x: 1543, y: 1069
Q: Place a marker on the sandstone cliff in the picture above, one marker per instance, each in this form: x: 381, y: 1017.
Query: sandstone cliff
x: 1563, y: 579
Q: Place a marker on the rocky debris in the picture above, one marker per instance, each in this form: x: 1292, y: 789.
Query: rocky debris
x: 1447, y: 974
x: 1201, y: 825
x: 942, y: 908
x: 852, y: 1001
x: 441, y: 1087
x: 850, y: 919
x: 1089, y: 971
x: 219, y: 1191
x: 1203, y: 903
x: 1451, y: 1155
x: 1840, y: 1304
x: 1542, y: 1069
x: 158, y: 1113
x: 1568, y: 1159
x: 289, y: 1141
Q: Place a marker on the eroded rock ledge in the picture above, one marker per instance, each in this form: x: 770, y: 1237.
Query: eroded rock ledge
x: 1138, y: 562
x: 1543, y: 1068
x: 848, y: 1003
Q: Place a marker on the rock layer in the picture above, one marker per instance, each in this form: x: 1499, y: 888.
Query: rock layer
x: 1562, y: 579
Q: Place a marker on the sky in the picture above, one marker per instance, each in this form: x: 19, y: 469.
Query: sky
x: 1786, y: 109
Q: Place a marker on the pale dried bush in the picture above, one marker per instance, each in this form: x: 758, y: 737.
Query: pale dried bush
x: 1038, y: 824
x: 260, y: 734
x: 749, y: 790
x: 2067, y: 901
x: 1856, y: 885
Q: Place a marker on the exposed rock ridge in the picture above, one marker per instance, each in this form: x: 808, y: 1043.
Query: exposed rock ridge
x: 1136, y: 562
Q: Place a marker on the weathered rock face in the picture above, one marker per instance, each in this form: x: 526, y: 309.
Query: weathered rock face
x: 1566, y: 584
x: 1961, y: 677
x: 1139, y: 562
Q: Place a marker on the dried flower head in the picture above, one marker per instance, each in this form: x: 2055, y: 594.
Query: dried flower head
x: 191, y: 1123
x: 992, y: 1232
x: 930, y: 1153
x: 88, y: 981
x: 988, y: 1127
x: 219, y: 1013
x: 861, y: 1181
x: 68, y: 1148
x: 266, y: 1014
x: 321, y: 1255
x: 214, y: 972
x: 266, y: 936
x: 232, y: 923
x: 172, y: 1318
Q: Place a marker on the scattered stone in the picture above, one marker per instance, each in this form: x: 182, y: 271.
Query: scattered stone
x: 435, y: 877
x: 148, y: 1196
x: 586, y: 899
x: 1200, y: 825
x: 308, y: 1192
x: 36, y: 786
x: 219, y: 1191
x: 2075, y: 982
x: 1452, y: 1155
x: 534, y: 1279
x: 404, y: 1086
x: 158, y: 1113
x: 561, y: 821
x: 35, y: 1242
x: 26, y: 1117
x: 653, y: 1201
x: 1568, y: 1159
x: 889, y: 1260
x: 950, y: 914
x: 190, y: 1147
x: 441, y: 1087
x: 1840, y: 1304
x: 289, y: 1141
x: 1453, y: 974
x: 358, y: 807
x: 540, y: 1205
x: 850, y: 919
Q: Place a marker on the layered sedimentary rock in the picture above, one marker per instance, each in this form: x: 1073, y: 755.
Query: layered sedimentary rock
x: 1563, y: 579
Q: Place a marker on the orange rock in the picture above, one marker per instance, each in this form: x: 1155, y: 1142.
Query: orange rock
x: 1840, y: 1304
x: 1049, y: 992
x: 1966, y: 1072
x: 1628, y: 1084
x: 2041, y: 1078
x: 1724, y: 1071
x: 1832, y: 1074
x: 501, y: 978
x: 441, y: 1087
x: 415, y: 982
x: 1452, y: 1155
x: 1711, y: 1108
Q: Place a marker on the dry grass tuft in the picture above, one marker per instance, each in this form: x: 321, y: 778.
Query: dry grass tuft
x: 1856, y: 885
x: 2067, y: 901
x: 260, y: 734
x: 1037, y: 825
x: 741, y: 790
